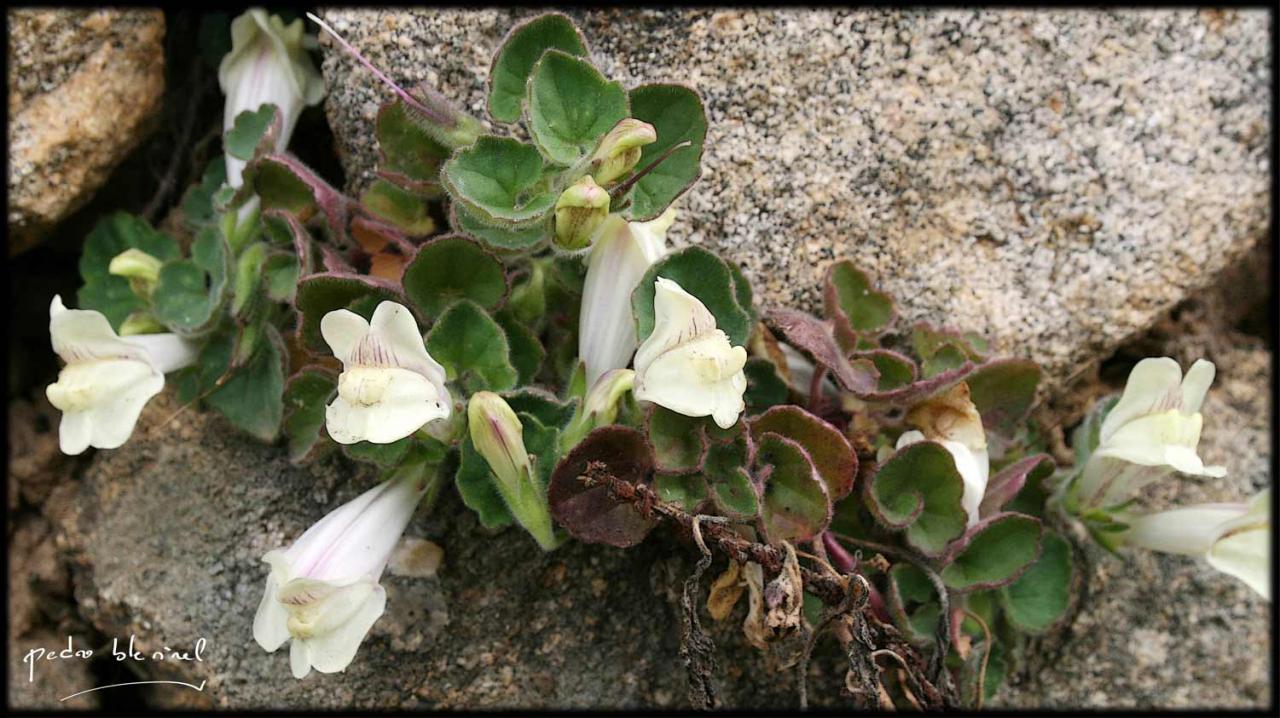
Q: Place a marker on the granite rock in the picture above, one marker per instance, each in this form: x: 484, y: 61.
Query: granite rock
x: 83, y: 85
x: 1053, y: 179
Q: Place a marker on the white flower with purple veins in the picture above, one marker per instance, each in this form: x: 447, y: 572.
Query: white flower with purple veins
x: 323, y: 592
x: 1233, y: 538
x: 1152, y: 430
x: 390, y: 386
x: 620, y: 255
x: 268, y: 63
x: 107, y: 378
x: 688, y: 365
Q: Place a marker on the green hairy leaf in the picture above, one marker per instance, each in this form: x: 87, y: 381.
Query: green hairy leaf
x: 676, y: 112
x: 919, y: 489
x: 519, y: 52
x: 472, y: 348
x: 570, y: 105
x: 705, y: 276
x: 451, y: 268
x: 500, y: 180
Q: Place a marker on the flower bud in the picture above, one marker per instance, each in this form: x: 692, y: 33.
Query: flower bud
x: 620, y: 149
x: 600, y: 406
x: 498, y: 436
x: 141, y: 269
x: 579, y: 212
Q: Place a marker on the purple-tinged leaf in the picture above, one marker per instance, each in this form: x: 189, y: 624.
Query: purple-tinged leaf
x: 814, y: 337
x: 853, y: 306
x: 917, y: 391
x: 795, y: 505
x: 590, y: 514
x: 1003, y: 391
x: 919, y: 489
x: 679, y: 441
x: 322, y: 293
x: 1004, y: 486
x: 832, y: 456
x: 896, y: 369
x: 283, y: 182
x: 297, y: 234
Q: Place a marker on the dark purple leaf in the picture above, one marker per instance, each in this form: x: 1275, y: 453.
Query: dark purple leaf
x: 590, y: 514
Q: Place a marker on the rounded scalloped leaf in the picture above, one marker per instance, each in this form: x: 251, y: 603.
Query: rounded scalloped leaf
x: 541, y: 404
x: 1005, y: 486
x: 477, y: 490
x: 306, y: 395
x: 1003, y: 391
x: 517, y: 55
x: 795, y: 505
x: 190, y: 292
x: 407, y: 151
x: 852, y: 303
x: 679, y: 442
x: 913, y: 601
x: 947, y: 358
x: 380, y: 455
x: 920, y: 389
x: 896, y: 370
x: 689, y: 491
x: 993, y: 553
x: 677, y: 114
x: 103, y: 291
x: 253, y: 132
x: 527, y: 353
x: 828, y: 449
x: 319, y: 294
x: 472, y: 348
x: 927, y: 340
x: 817, y: 338
x: 1039, y: 598
x: 725, y: 468
x: 590, y: 514
x: 252, y: 397
x: 765, y: 388
x: 919, y: 489
x: 407, y: 211
x: 570, y: 105
x: 447, y: 269
x: 499, y: 238
x: 498, y: 179
x: 705, y: 276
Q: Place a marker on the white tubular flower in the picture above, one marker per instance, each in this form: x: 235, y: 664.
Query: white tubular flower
x: 687, y: 365
x: 267, y: 64
x: 107, y: 378
x: 390, y: 386
x: 621, y: 254
x: 951, y: 419
x: 1153, y: 429
x: 323, y: 591
x: 1233, y: 538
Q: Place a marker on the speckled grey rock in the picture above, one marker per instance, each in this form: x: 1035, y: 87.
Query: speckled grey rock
x: 1052, y: 179
x: 82, y: 86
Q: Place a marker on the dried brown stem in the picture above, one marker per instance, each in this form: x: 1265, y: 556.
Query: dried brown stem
x: 831, y: 589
